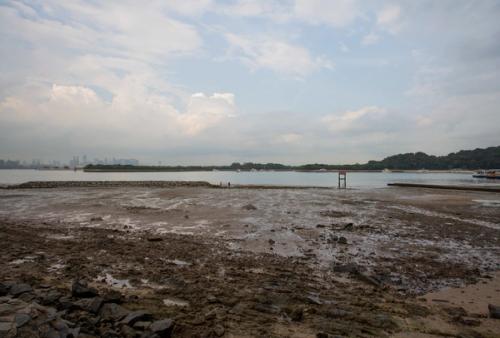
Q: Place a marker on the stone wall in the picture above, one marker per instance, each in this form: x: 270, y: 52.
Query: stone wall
x: 107, y: 184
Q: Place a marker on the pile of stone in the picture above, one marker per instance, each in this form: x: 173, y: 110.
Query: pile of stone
x: 108, y: 184
x: 46, y: 311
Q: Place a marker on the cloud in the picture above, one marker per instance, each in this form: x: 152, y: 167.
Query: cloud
x: 150, y: 118
x: 353, y: 120
x: 370, y: 39
x: 336, y: 13
x: 278, y: 56
x: 388, y: 18
x: 206, y: 111
x: 133, y: 31
x: 290, y: 138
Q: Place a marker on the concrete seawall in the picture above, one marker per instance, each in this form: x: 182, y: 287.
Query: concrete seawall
x: 447, y: 187
x: 108, y: 184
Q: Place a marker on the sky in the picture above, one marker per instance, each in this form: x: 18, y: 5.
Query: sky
x: 214, y: 82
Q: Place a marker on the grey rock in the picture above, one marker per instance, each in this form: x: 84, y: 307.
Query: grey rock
x: 342, y: 240
x: 494, y: 311
x: 18, y: 289
x: 95, y: 305
x: 51, y: 297
x: 113, y: 296
x: 155, y: 239
x: 249, y: 207
x: 4, y: 289
x: 349, y: 267
x: 89, y: 304
x: 5, y: 328
x: 21, y: 319
x: 127, y: 332
x: 162, y: 328
x: 81, y: 289
x: 140, y: 325
x: 113, y: 312
x: 314, y: 299
x: 136, y: 316
x: 219, y: 330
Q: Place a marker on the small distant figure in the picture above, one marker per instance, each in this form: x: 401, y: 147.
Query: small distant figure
x: 229, y: 185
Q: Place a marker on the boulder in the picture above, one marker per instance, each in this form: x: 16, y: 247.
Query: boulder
x: 4, y: 289
x: 494, y: 311
x: 113, y: 312
x: 18, y: 289
x: 136, y: 316
x: 219, y: 330
x: 21, y: 319
x: 80, y: 289
x: 162, y: 328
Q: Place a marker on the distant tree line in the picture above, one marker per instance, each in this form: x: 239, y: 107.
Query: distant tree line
x: 488, y: 158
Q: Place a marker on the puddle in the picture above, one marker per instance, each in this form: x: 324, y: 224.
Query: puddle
x: 113, y: 282
x: 20, y: 261
x: 60, y: 236
x: 488, y: 203
x: 177, y: 262
x: 175, y: 302
x: 56, y: 267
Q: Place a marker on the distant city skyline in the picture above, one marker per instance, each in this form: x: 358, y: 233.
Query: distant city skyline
x: 214, y: 82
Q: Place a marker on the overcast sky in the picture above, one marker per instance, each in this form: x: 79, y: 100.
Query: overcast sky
x: 212, y: 82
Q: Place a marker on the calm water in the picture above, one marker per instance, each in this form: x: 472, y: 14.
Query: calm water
x: 355, y: 180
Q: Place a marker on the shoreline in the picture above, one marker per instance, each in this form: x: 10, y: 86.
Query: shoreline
x: 253, y: 262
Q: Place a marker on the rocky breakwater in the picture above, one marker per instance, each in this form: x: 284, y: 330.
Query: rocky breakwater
x: 109, y: 184
x: 47, y: 311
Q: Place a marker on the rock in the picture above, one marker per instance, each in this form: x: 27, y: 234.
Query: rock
x: 6, y: 329
x: 368, y: 279
x: 96, y: 219
x: 271, y: 242
x: 155, y: 239
x: 113, y: 296
x: 4, y: 289
x: 297, y: 314
x: 494, y: 311
x: 81, y: 289
x: 95, y: 305
x: 18, y: 289
x: 349, y: 267
x: 128, y: 332
x: 163, y: 328
x: 348, y: 226
x: 219, y: 330
x: 89, y: 304
x: 342, y: 240
x: 112, y: 312
x: 314, y: 299
x: 21, y: 319
x: 51, y: 297
x: 140, y: 325
x: 249, y: 207
x: 136, y: 316
x: 469, y: 321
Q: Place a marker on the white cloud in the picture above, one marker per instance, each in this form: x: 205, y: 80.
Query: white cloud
x: 140, y: 32
x: 278, y: 56
x: 206, y: 111
x: 290, y: 138
x: 353, y: 120
x: 370, y: 39
x: 337, y: 13
x: 389, y: 18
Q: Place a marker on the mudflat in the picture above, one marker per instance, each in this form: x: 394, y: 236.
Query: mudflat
x: 208, y: 262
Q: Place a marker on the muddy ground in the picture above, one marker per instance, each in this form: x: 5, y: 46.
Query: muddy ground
x: 267, y: 262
